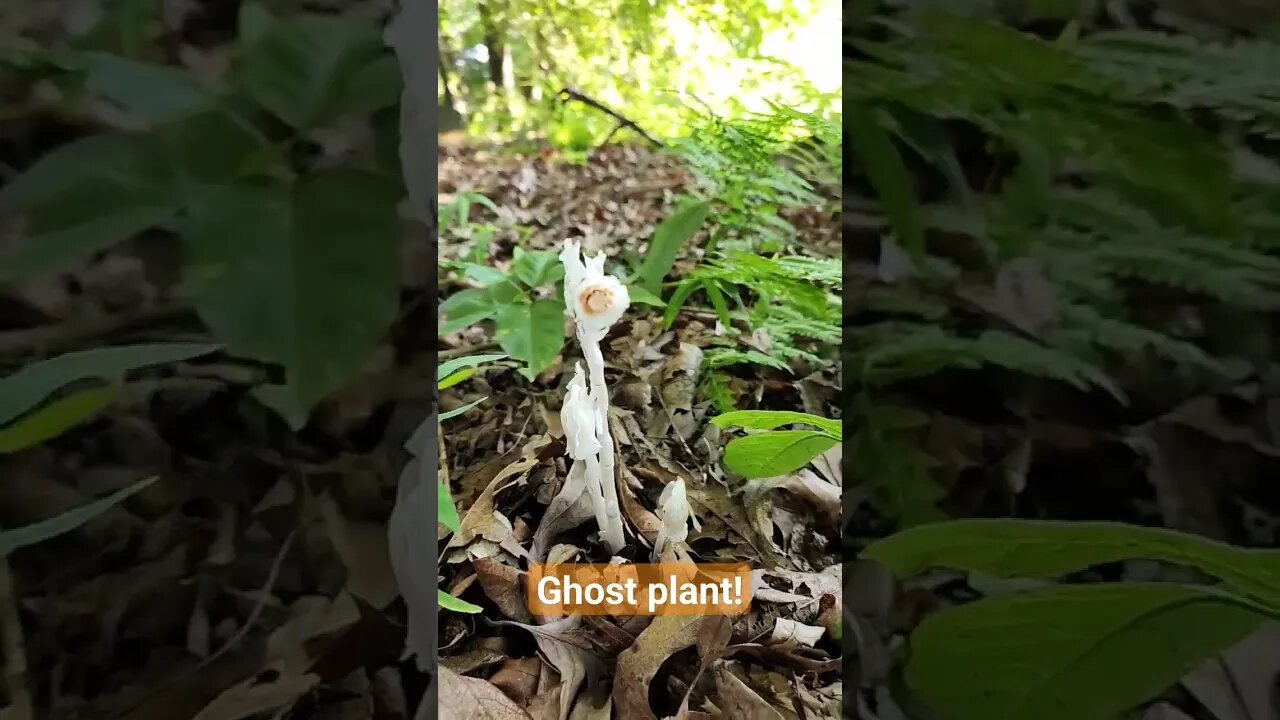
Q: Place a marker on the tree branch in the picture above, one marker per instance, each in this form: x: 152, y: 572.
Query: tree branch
x: 567, y: 94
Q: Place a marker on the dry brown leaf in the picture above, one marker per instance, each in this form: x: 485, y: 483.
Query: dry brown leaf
x: 466, y: 698
x: 645, y: 522
x: 568, y: 509
x: 824, y: 703
x: 737, y: 700
x: 819, y: 494
x: 310, y: 617
x: 481, y: 653
x: 1240, y: 683
x: 481, y: 519
x: 271, y: 689
x: 665, y: 636
x: 567, y: 644
x: 363, y: 548
x: 504, y: 586
x: 518, y: 679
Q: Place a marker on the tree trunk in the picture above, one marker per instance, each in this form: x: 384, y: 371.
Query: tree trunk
x: 493, y: 42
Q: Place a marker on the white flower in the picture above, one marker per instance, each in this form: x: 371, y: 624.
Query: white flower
x: 577, y: 415
x: 595, y: 300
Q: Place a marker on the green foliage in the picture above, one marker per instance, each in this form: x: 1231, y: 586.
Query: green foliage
x: 526, y: 306
x: 451, y: 373
x: 304, y: 276
x: 26, y: 419
x: 1113, y: 165
x: 772, y: 452
x: 286, y: 262
x: 1099, y: 176
x: 312, y: 70
x: 667, y: 240
x: 740, y: 168
x: 1091, y: 651
x: 1070, y: 653
x: 25, y: 389
x: 632, y: 56
x: 532, y: 332
x: 92, y: 193
x: 454, y: 371
x: 18, y: 538
x: 447, y: 514
x: 54, y: 419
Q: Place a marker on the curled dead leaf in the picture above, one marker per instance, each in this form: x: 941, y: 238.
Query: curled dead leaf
x: 466, y: 698
x: 665, y: 636
x: 736, y: 699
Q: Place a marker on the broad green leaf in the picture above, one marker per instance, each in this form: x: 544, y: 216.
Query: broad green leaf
x: 54, y: 419
x: 640, y: 296
x: 1070, y: 653
x: 536, y: 269
x: 16, y: 538
x: 674, y: 232
x: 770, y: 419
x: 307, y: 71
x: 252, y: 23
x: 772, y: 454
x: 465, y: 308
x: 459, y: 410
x: 92, y: 193
x: 303, y: 276
x: 532, y: 333
x: 449, y: 366
x: 24, y: 389
x: 155, y: 93
x: 374, y: 86
x: 83, y: 197
x: 1048, y: 549
x: 446, y: 513
x: 483, y: 274
x: 449, y: 602
x: 888, y: 175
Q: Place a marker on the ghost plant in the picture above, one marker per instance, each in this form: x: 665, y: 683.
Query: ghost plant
x: 594, y: 301
x: 676, y: 514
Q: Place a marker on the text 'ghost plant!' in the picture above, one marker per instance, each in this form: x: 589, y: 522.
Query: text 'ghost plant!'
x: 595, y: 301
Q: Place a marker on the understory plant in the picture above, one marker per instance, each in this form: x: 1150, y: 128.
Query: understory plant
x: 1073, y: 651
x: 768, y: 452
x: 524, y: 305
x: 39, y: 403
x: 1103, y: 196
x: 449, y: 374
x: 1113, y: 165
x: 283, y: 239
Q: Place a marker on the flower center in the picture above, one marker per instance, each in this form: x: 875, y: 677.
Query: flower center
x: 596, y: 300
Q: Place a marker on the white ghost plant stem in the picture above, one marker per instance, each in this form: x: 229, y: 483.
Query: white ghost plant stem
x: 596, y: 301
x: 676, y: 514
x: 578, y: 416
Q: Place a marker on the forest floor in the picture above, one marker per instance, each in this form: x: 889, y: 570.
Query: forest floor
x: 504, y: 461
